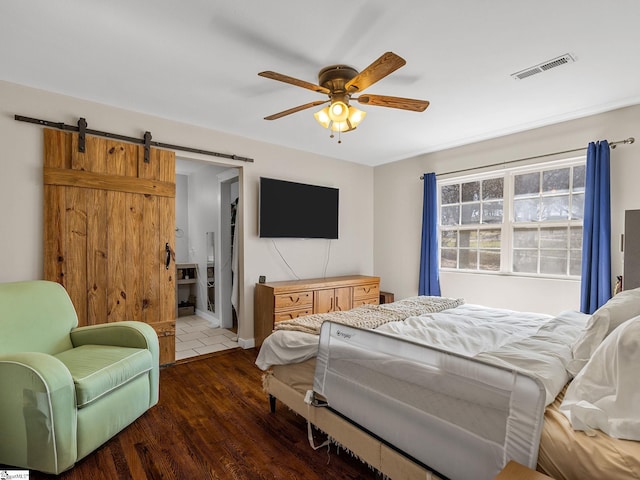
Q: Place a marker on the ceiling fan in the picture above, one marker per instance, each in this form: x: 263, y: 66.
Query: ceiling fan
x: 340, y: 83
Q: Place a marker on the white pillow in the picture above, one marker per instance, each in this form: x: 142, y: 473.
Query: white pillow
x: 616, y: 311
x: 606, y: 393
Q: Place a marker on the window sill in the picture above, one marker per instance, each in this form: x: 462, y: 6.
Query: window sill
x: 511, y: 275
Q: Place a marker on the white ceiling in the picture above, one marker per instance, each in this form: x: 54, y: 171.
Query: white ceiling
x: 196, y: 61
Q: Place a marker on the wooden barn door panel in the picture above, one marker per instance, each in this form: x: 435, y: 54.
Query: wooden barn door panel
x: 108, y: 218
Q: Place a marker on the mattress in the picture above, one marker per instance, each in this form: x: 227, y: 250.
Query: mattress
x: 434, y: 405
x: 568, y: 454
x: 534, y: 343
x: 564, y: 454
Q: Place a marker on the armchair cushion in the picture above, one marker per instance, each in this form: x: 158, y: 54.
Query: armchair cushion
x: 98, y: 369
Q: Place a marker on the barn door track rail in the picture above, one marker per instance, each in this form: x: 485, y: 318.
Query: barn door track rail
x: 82, y: 130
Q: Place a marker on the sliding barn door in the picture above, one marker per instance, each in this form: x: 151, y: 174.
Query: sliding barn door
x: 109, y: 224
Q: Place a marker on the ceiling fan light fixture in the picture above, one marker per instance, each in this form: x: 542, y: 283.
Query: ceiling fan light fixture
x: 322, y: 116
x: 351, y: 120
x: 338, y: 111
x: 341, y: 126
x: 355, y: 116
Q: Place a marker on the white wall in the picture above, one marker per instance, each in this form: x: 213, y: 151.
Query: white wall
x: 182, y: 219
x: 398, y: 210
x: 204, y: 209
x: 21, y: 191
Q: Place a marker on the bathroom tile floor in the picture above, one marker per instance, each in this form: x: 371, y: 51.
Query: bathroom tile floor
x: 194, y: 336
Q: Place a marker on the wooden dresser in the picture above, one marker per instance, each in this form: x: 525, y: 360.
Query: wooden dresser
x: 286, y: 300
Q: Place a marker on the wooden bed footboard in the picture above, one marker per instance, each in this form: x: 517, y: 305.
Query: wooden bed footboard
x: 365, y: 446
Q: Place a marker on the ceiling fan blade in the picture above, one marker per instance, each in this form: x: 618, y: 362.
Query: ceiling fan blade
x: 295, y: 109
x: 293, y: 81
x: 394, y: 102
x: 387, y: 63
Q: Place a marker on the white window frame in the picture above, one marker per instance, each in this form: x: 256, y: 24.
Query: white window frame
x: 507, y: 226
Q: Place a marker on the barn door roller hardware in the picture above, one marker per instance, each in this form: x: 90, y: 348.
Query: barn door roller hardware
x: 82, y: 130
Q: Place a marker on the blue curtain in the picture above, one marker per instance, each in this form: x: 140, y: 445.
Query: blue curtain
x: 429, y: 283
x: 596, y: 236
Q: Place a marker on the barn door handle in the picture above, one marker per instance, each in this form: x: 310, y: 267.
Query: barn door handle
x: 167, y: 262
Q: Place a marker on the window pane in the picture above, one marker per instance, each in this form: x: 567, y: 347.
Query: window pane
x: 579, y: 175
x: 527, y: 184
x: 525, y: 210
x: 471, y: 192
x: 470, y: 213
x: 554, y: 238
x: 575, y: 237
x: 553, y: 262
x: 575, y: 262
x: 489, y: 238
x: 543, y: 227
x: 492, y: 188
x: 469, y: 259
x: 492, y: 212
x: 577, y: 206
x: 448, y: 258
x: 525, y: 238
x: 450, y: 215
x: 525, y: 261
x: 556, y: 180
x: 555, y: 208
x: 449, y: 239
x: 450, y: 194
x: 490, y: 260
x: 468, y: 238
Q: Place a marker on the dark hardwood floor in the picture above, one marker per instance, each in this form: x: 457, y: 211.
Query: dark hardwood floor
x: 213, y: 422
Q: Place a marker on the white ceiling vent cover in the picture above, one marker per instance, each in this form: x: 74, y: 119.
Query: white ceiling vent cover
x: 544, y: 66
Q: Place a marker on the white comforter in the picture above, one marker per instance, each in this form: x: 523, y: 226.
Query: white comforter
x: 534, y: 343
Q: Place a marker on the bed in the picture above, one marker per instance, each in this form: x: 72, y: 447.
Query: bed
x: 498, y: 398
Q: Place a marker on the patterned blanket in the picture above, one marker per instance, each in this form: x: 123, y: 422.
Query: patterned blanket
x: 371, y: 316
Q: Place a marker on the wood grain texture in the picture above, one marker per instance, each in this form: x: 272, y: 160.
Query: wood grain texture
x: 57, y: 149
x: 515, y: 471
x: 108, y: 216
x: 75, y: 263
x: 213, y: 422
x: 151, y: 258
x: 118, y: 267
x: 167, y: 288
x: 133, y: 248
x: 54, y: 229
x: 97, y: 263
x: 286, y: 300
x: 79, y: 178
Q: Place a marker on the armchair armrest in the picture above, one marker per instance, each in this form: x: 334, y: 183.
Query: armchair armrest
x: 122, y: 334
x: 131, y: 334
x: 37, y: 412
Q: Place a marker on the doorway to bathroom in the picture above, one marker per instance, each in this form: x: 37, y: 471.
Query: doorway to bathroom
x: 207, y: 197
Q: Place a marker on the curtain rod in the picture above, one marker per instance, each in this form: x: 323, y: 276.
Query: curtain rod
x: 613, y: 145
x: 146, y: 141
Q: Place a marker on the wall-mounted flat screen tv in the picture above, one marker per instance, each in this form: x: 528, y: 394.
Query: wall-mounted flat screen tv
x: 297, y: 210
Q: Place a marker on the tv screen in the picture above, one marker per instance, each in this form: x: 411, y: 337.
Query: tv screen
x: 297, y: 210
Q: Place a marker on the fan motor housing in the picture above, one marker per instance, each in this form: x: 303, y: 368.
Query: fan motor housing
x: 335, y: 77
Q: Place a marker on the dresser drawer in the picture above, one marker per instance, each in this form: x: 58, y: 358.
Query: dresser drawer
x: 366, y: 301
x: 366, y: 291
x: 289, y: 299
x: 291, y: 314
x: 295, y: 299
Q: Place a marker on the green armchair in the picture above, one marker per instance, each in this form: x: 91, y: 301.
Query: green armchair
x: 64, y: 389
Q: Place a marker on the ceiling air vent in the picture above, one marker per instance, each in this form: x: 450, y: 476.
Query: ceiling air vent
x: 543, y: 67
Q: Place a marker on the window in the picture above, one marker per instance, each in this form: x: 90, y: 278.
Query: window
x: 524, y: 221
